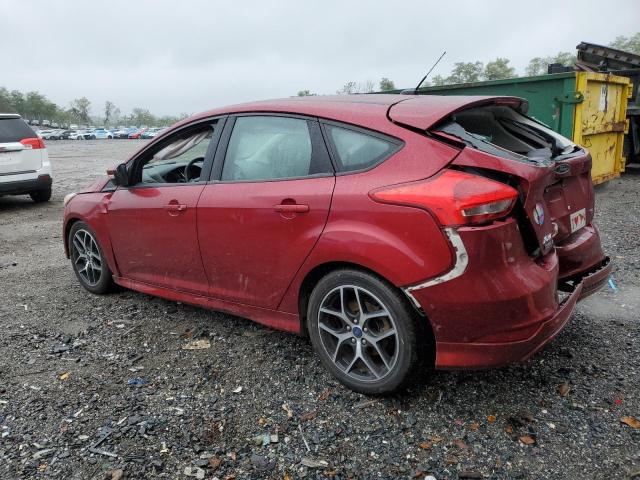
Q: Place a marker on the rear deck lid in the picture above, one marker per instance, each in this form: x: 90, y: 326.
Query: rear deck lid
x: 424, y: 111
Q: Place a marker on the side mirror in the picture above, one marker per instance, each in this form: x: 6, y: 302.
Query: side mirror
x: 121, y: 175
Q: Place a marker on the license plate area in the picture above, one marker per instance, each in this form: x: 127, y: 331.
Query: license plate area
x: 577, y: 220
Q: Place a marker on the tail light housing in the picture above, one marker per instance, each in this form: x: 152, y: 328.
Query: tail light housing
x: 33, y: 143
x: 455, y: 197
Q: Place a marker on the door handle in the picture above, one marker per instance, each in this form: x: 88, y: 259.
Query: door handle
x: 175, y: 207
x: 291, y: 208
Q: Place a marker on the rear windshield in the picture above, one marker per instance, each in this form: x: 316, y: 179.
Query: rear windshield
x: 502, y: 131
x: 14, y: 130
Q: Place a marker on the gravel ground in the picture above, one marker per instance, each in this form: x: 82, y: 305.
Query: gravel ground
x: 100, y: 386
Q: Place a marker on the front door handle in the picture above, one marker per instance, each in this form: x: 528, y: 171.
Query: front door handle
x: 291, y: 208
x: 175, y: 208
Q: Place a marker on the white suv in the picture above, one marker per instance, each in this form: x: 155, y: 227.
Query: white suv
x: 24, y: 162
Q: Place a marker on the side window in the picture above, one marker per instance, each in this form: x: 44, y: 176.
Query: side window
x: 179, y: 159
x: 357, y: 150
x: 269, y: 148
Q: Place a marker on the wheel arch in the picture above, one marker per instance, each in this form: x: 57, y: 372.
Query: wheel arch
x: 67, y: 229
x: 314, y: 275
x: 311, y: 279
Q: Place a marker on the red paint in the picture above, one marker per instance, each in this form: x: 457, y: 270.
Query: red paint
x: 154, y: 236
x: 247, y: 247
x: 250, y: 249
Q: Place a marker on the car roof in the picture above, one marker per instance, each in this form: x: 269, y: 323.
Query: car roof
x: 9, y: 115
x: 369, y: 110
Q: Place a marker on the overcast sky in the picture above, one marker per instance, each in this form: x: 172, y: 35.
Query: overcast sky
x: 189, y: 56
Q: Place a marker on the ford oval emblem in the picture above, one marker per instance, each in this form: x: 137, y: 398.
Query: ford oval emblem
x: 562, y: 168
x: 538, y: 214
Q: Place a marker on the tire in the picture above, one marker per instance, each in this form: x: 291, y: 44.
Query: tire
x: 346, y: 343
x: 94, y: 275
x: 41, y: 196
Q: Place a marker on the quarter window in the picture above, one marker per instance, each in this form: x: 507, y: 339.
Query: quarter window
x: 356, y: 150
x: 269, y: 148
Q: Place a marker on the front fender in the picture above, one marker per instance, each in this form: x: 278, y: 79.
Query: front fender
x: 91, y: 209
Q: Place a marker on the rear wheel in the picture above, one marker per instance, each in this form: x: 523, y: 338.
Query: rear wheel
x: 364, y: 332
x: 88, y: 261
x: 41, y: 196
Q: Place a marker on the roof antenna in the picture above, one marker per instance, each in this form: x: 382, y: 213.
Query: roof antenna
x: 415, y: 90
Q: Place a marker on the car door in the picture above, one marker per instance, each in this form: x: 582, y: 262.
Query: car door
x: 152, y: 223
x: 266, y: 207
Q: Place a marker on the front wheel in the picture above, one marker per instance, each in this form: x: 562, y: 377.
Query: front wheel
x: 364, y: 331
x: 88, y: 261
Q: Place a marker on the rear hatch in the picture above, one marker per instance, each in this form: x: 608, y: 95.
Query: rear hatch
x: 20, y: 147
x: 551, y: 173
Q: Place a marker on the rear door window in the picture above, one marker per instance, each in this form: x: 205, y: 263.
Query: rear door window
x: 14, y: 130
x: 357, y: 150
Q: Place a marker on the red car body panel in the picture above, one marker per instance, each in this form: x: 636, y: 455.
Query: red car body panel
x: 489, y: 291
x: 423, y: 112
x: 261, y: 249
x: 154, y: 232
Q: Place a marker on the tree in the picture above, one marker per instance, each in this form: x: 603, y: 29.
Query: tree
x: 111, y: 112
x: 628, y: 44
x: 540, y: 65
x: 466, y: 72
x: 347, y: 89
x: 386, y: 84
x: 305, y: 93
x: 79, y: 109
x: 438, y: 80
x: 498, y: 68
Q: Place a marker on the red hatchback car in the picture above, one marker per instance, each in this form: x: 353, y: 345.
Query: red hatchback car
x: 393, y: 230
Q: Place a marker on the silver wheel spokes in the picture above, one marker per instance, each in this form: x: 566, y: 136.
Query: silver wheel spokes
x: 86, y: 257
x: 358, y: 333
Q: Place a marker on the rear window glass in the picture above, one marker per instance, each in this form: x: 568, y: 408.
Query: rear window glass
x: 357, y: 150
x: 502, y: 131
x: 14, y: 130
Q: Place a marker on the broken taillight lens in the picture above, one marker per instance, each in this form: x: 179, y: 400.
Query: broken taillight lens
x: 455, y: 197
x: 33, y: 143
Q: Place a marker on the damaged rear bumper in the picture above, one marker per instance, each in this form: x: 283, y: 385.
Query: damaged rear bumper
x: 505, y: 306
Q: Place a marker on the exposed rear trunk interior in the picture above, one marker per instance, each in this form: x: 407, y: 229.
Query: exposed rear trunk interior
x: 551, y: 173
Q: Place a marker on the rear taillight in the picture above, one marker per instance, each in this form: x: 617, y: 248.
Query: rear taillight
x: 455, y: 197
x: 34, y: 143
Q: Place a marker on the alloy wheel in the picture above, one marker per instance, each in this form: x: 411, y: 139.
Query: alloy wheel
x: 358, y: 333
x: 86, y: 257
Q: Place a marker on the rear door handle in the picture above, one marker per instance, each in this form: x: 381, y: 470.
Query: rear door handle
x: 291, y: 208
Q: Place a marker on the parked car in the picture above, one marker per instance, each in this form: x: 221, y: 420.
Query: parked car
x: 122, y: 132
x: 101, y: 133
x: 151, y: 133
x: 81, y: 135
x: 65, y: 134
x: 24, y: 162
x: 393, y: 230
x: 137, y: 133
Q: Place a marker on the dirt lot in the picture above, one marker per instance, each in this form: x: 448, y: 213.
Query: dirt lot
x: 71, y: 405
